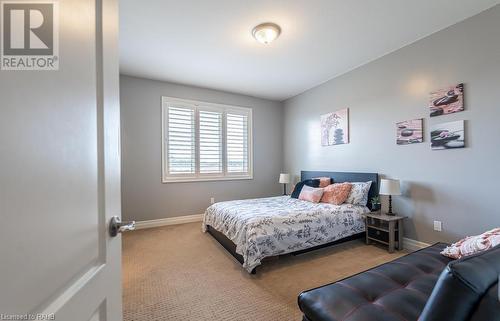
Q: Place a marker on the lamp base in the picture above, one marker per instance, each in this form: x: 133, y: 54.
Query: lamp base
x: 390, y: 213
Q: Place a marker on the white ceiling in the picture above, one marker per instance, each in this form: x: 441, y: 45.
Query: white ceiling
x: 208, y: 43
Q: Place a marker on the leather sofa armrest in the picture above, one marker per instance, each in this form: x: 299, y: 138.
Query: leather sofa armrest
x: 461, y: 287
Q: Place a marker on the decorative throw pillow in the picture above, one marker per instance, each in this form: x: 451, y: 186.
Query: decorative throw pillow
x: 311, y: 194
x: 359, y: 193
x: 336, y: 193
x: 298, y: 187
x: 473, y: 244
x: 324, y: 181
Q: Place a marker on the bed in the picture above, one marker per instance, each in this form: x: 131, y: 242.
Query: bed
x: 252, y: 230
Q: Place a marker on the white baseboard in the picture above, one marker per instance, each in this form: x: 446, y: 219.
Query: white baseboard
x: 413, y: 245
x: 169, y: 221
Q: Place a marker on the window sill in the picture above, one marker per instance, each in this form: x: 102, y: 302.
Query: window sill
x: 204, y: 179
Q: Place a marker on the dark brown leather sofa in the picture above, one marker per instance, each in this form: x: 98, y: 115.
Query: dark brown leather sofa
x: 423, y: 285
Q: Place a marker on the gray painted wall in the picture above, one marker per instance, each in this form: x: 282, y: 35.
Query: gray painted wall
x: 458, y: 187
x: 144, y: 197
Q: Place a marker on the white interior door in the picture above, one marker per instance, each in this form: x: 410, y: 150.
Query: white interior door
x: 60, y: 175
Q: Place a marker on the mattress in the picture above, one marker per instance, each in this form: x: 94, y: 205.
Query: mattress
x: 273, y: 226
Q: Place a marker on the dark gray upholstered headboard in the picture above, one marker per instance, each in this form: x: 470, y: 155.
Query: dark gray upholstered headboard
x: 341, y: 177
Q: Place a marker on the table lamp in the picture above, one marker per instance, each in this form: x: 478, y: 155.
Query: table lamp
x: 284, y: 179
x: 390, y: 187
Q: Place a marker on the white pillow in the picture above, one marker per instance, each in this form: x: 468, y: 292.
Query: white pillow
x: 359, y: 193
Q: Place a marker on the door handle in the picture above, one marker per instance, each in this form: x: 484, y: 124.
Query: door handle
x: 117, y: 226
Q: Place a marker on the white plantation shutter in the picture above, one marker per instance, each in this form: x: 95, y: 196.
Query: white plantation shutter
x: 210, y: 133
x: 237, y: 143
x: 181, y: 140
x: 205, y: 141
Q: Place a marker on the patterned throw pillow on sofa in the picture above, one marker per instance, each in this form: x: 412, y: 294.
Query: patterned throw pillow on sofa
x: 473, y: 244
x: 359, y: 193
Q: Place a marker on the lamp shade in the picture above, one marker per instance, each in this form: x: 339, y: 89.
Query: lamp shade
x: 389, y: 187
x: 284, y: 178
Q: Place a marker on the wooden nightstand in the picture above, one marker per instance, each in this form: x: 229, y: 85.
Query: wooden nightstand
x: 385, y: 229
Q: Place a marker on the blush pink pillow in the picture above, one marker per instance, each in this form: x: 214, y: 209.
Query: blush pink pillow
x: 336, y: 193
x: 473, y: 244
x: 324, y: 181
x: 311, y: 194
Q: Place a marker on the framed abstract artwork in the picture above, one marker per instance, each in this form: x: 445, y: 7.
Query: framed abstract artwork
x: 335, y: 128
x: 409, y: 132
x: 447, y: 100
x: 448, y: 135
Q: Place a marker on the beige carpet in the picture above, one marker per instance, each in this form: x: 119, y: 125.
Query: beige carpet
x: 179, y: 273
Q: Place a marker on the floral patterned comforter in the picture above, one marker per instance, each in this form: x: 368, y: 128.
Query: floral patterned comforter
x: 278, y: 225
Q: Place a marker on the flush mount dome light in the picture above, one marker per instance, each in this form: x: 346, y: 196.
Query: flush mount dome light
x: 266, y: 32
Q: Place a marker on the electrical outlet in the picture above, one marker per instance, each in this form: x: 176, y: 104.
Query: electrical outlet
x: 212, y: 200
x: 438, y: 226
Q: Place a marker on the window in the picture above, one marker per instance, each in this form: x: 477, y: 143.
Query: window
x: 205, y: 141
x: 181, y: 140
x: 210, y: 134
x: 237, y: 143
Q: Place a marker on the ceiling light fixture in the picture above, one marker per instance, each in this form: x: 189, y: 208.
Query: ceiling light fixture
x: 266, y: 33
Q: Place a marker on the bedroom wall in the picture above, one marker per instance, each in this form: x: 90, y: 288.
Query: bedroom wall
x: 458, y: 187
x: 144, y: 197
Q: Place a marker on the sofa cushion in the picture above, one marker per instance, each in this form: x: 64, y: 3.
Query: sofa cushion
x: 488, y: 306
x: 392, y: 291
x: 464, y: 289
